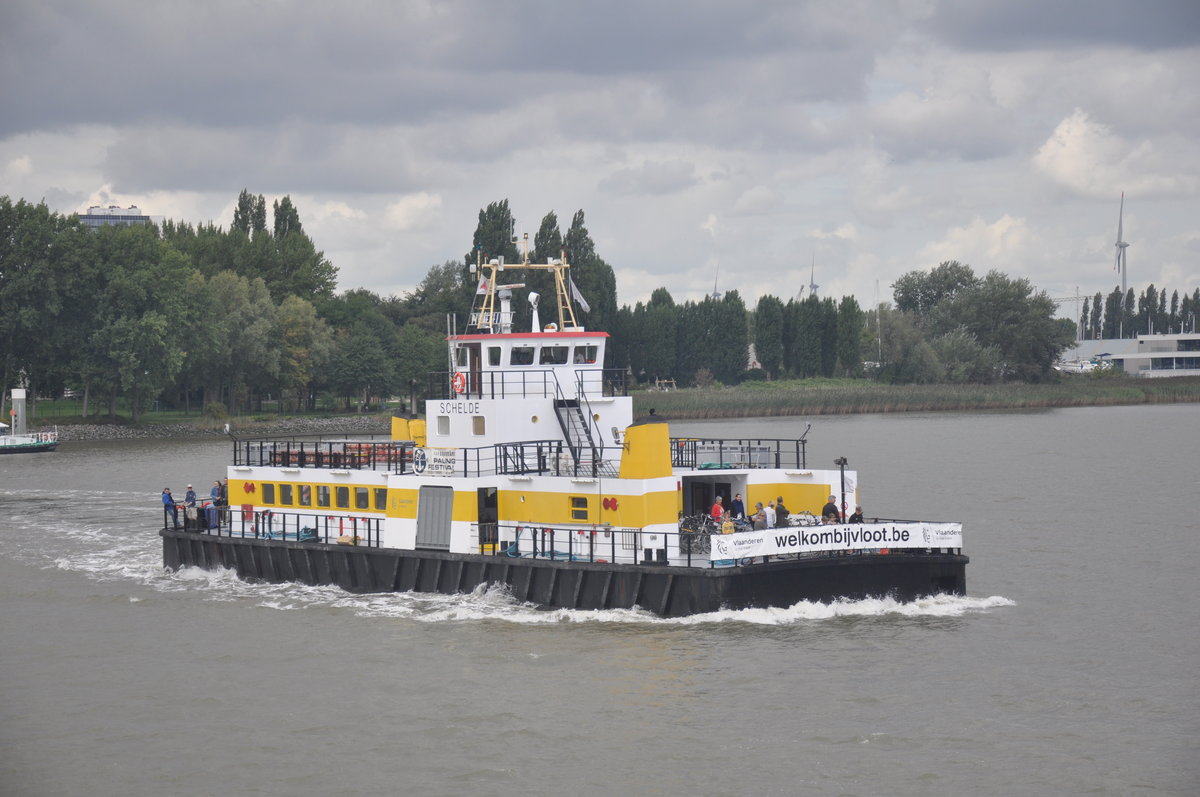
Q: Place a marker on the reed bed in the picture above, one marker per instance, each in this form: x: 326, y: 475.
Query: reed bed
x: 849, y: 396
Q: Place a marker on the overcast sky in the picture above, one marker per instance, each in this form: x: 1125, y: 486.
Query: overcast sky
x: 871, y: 137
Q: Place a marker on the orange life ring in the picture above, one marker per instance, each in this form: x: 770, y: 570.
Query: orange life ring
x: 459, y: 382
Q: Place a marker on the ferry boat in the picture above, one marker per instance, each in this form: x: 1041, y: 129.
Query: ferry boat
x: 15, y: 440
x: 530, y: 471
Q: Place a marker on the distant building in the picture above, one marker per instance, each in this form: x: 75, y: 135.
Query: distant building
x: 97, y: 216
x: 1147, y: 355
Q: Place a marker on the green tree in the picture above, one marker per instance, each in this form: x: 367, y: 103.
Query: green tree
x: 768, y: 334
x: 1009, y: 315
x: 919, y: 292
x: 250, y: 213
x: 850, y: 325
x: 305, y: 349
x: 361, y: 368
x: 595, y: 279
x: 907, y: 357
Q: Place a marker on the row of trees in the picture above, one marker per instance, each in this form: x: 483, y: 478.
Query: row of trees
x: 803, y: 338
x: 200, y: 316
x: 1128, y: 316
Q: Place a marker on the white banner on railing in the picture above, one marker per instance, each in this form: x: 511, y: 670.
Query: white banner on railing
x: 851, y: 536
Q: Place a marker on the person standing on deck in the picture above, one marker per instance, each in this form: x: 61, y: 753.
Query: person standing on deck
x: 718, y: 509
x: 737, y: 508
x: 781, y: 513
x: 830, y: 513
x: 214, y: 503
x: 189, y: 498
x: 769, y: 514
x: 169, y: 509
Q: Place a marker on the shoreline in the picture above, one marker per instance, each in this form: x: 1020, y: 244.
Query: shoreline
x: 340, y: 424
x: 754, y: 400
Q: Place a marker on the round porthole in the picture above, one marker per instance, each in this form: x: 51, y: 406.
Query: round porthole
x: 533, y: 419
x: 596, y: 417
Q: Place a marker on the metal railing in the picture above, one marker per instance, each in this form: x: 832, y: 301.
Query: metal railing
x: 530, y: 382
x: 369, y: 453
x: 703, y: 453
x: 268, y: 524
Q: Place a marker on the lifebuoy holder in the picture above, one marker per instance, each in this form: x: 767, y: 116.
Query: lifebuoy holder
x: 459, y: 382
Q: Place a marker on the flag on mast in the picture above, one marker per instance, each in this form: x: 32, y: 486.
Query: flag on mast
x: 578, y: 297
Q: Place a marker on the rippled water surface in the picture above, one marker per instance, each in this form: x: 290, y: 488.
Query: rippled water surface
x: 1069, y: 668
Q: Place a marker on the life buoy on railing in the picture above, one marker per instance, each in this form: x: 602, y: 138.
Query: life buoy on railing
x: 459, y: 382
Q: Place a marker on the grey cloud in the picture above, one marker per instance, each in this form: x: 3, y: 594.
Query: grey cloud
x: 1031, y: 24
x: 652, y: 177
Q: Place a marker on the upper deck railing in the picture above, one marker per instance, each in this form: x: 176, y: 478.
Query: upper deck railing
x: 529, y: 382
x: 526, y: 457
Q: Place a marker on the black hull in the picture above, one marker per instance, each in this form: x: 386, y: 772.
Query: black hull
x: 666, y: 591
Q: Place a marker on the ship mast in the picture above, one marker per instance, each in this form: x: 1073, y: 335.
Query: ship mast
x: 487, y: 316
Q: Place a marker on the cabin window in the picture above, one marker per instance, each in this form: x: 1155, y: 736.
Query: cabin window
x: 554, y: 355
x: 579, y: 508
x: 305, y: 495
x: 462, y: 356
x: 268, y: 493
x: 342, y: 496
x: 362, y: 498
x: 381, y: 498
x: 443, y: 425
x: 322, y: 496
x: 493, y: 355
x: 521, y: 355
x: 585, y: 354
x: 285, y: 494
x: 478, y: 427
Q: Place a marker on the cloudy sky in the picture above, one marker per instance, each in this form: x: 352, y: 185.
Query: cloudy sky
x: 749, y: 138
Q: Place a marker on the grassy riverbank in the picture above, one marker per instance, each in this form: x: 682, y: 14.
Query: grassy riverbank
x: 849, y: 396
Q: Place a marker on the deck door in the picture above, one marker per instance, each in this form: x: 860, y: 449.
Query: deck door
x: 434, y: 509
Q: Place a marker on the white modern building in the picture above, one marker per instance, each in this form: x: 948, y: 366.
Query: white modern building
x: 1147, y: 355
x: 98, y: 216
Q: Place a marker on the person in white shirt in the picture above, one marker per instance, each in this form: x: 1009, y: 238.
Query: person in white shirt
x: 769, y: 511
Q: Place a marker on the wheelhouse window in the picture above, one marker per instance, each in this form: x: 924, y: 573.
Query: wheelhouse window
x: 493, y: 355
x: 462, y: 356
x: 521, y: 355
x: 585, y: 354
x: 554, y: 355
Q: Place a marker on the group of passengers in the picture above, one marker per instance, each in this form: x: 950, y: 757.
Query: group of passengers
x: 773, y: 515
x: 193, y: 520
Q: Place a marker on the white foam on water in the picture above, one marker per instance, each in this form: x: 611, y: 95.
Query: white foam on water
x: 59, y: 530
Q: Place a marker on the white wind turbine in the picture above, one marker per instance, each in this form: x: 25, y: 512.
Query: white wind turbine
x: 1120, y: 262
